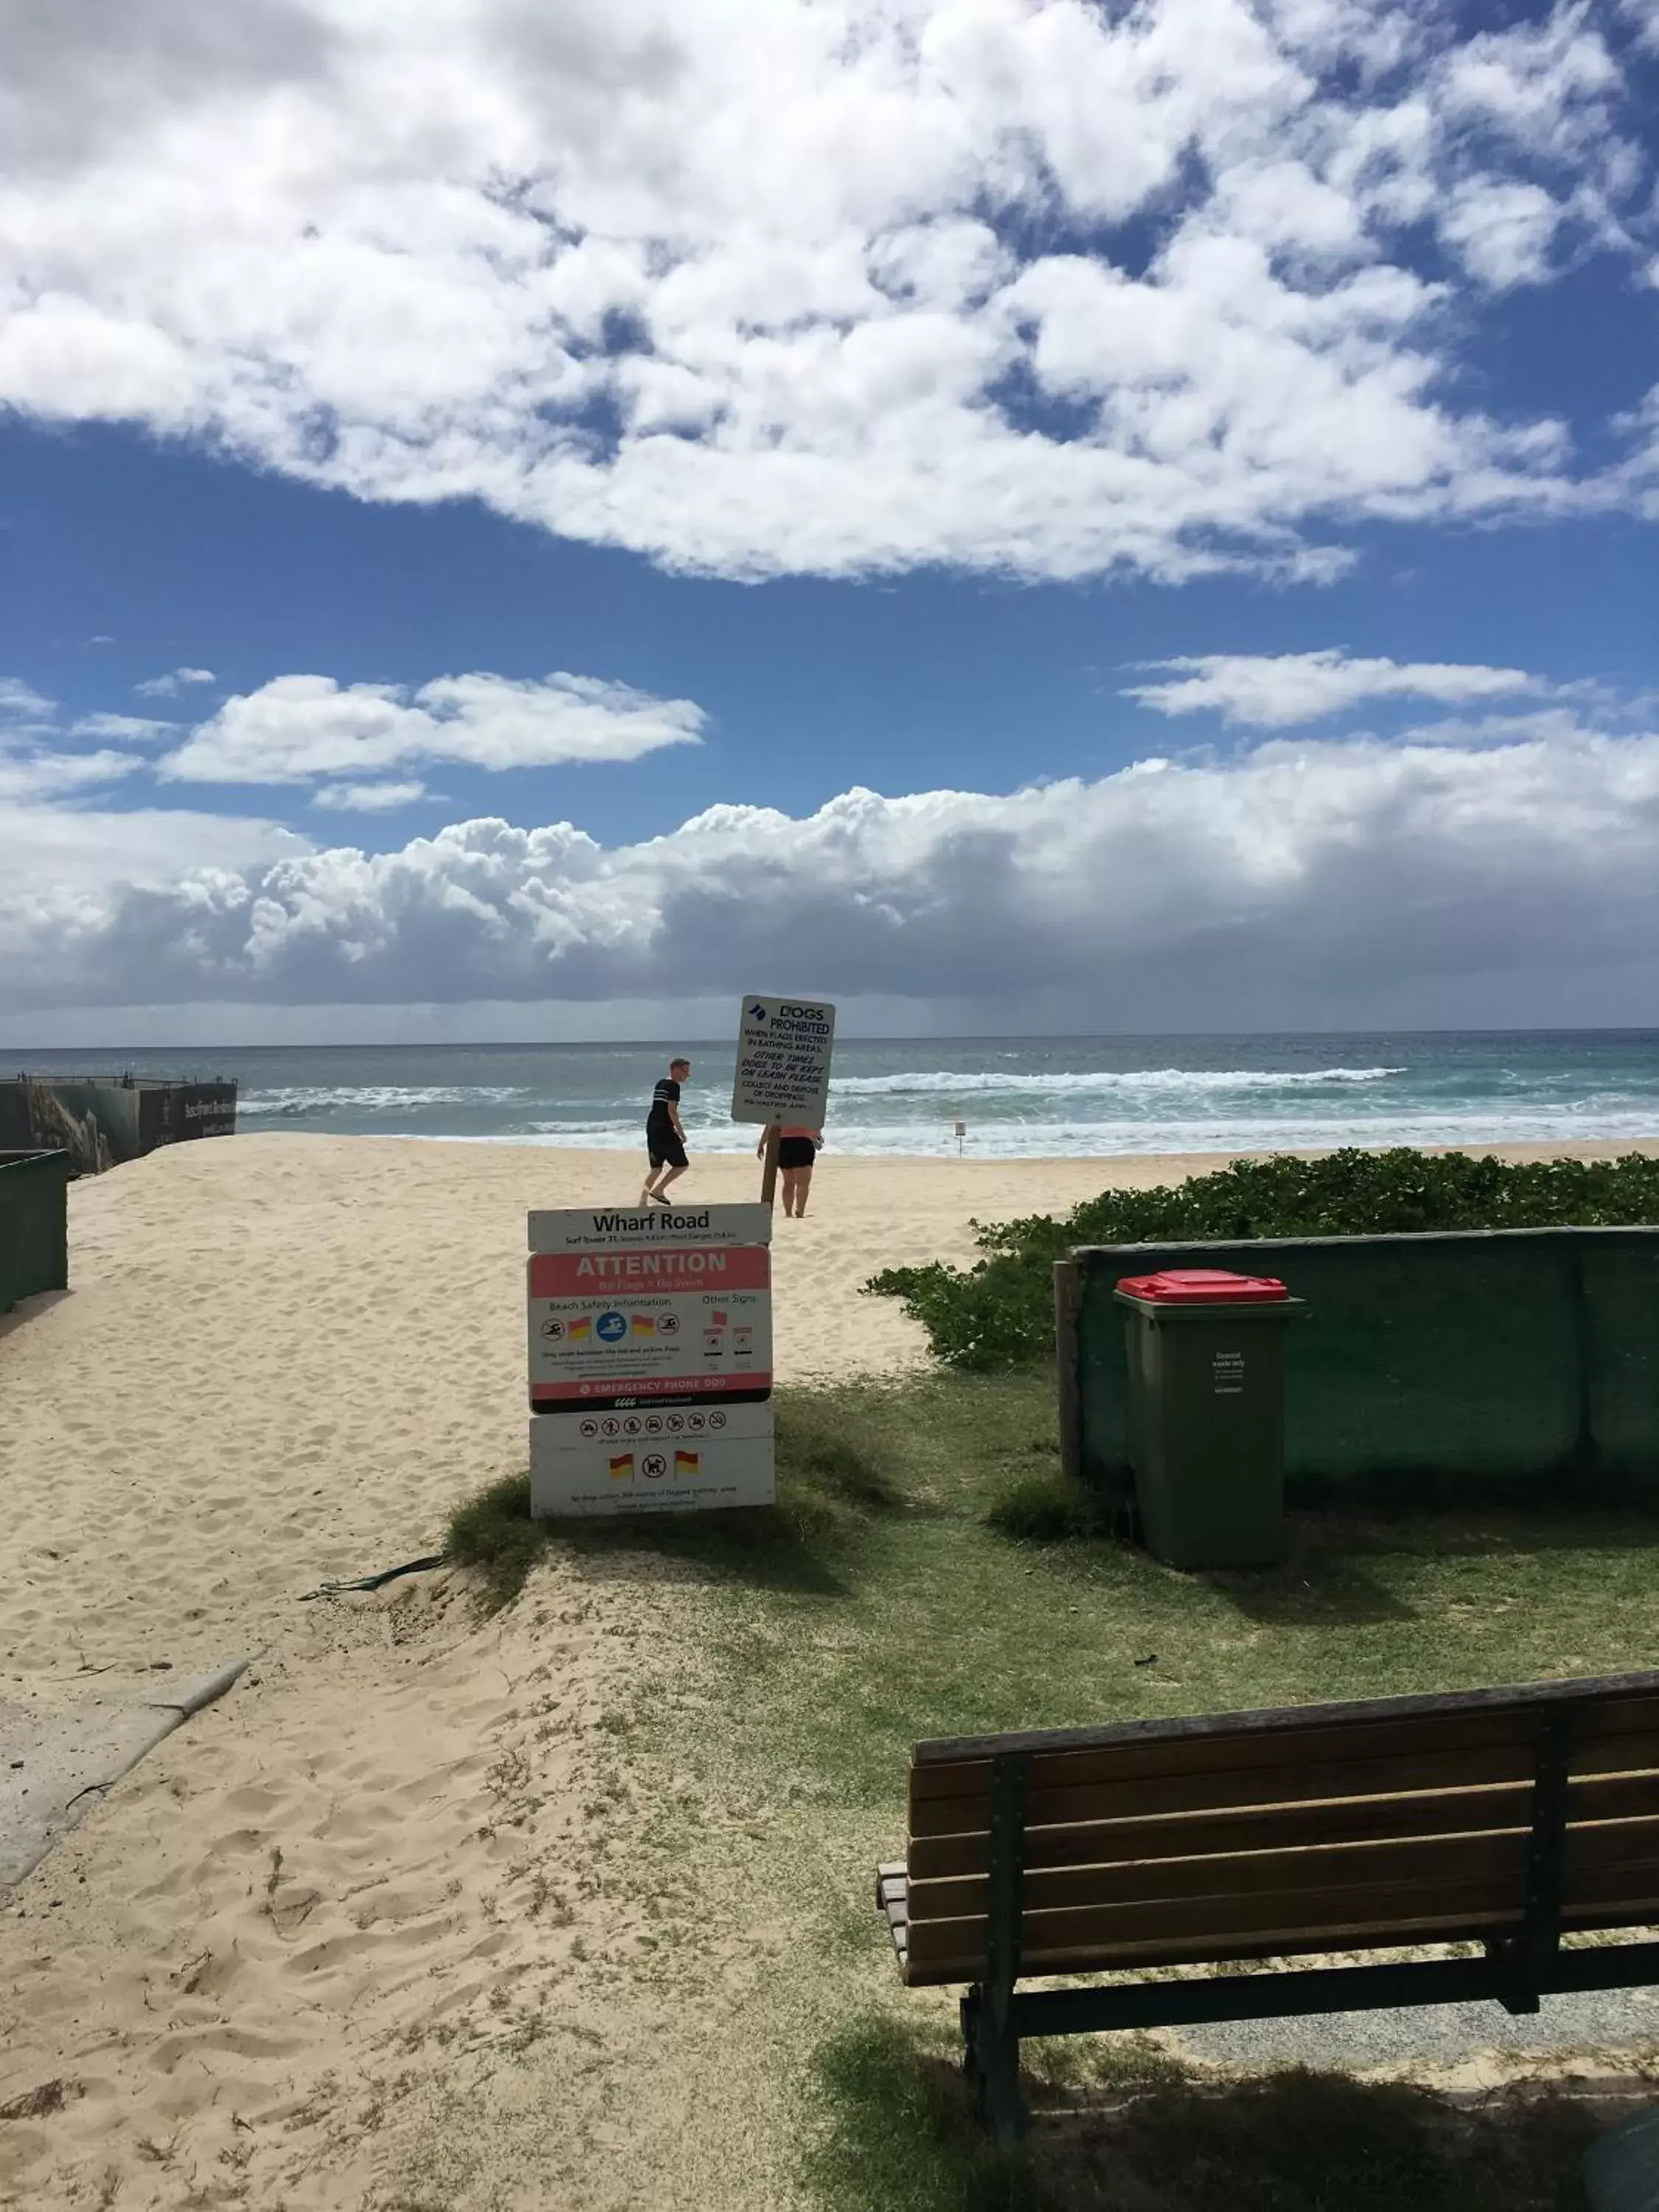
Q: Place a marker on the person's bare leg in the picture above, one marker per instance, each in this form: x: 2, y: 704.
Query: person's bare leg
x: 803, y: 1186
x: 664, y: 1176
x: 650, y: 1186
x: 790, y: 1178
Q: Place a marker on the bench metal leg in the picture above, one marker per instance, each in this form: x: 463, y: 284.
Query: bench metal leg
x: 988, y: 2033
x: 991, y: 2060
x: 1524, y: 1960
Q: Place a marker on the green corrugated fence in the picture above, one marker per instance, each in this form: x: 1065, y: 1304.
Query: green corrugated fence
x: 34, y: 1225
x: 1495, y: 1355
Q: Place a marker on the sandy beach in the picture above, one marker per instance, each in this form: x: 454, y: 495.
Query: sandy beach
x: 320, y: 1910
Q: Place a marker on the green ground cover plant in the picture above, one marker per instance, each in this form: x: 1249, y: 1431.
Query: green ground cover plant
x: 999, y: 1314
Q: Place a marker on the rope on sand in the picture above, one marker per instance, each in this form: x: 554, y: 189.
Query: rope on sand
x: 375, y: 1581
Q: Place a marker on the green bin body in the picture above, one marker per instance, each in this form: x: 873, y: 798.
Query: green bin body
x: 1206, y: 1429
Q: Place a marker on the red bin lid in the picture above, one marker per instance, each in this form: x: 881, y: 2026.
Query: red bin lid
x: 1205, y: 1287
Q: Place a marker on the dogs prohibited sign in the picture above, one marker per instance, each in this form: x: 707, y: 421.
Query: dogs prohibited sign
x: 650, y: 1354
x: 783, y: 1062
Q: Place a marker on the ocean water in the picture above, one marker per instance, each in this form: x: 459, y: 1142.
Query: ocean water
x: 1033, y: 1097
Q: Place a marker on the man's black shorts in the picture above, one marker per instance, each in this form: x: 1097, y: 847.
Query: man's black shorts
x: 665, y: 1150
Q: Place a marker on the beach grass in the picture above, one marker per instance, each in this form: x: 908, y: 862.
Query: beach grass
x: 910, y: 1583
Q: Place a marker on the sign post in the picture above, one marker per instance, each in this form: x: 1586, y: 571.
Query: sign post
x: 650, y: 1353
x: 783, y: 1070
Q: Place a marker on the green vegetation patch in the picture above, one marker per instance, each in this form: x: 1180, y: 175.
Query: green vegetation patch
x: 999, y: 1314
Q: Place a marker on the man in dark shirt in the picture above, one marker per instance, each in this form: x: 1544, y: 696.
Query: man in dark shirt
x: 665, y: 1139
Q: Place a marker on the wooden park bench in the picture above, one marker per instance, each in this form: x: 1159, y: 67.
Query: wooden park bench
x: 1506, y: 1819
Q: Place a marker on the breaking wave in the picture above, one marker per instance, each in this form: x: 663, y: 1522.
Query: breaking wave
x: 370, y: 1098
x: 1196, y: 1082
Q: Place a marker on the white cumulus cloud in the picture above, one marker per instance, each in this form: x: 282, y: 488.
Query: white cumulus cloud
x: 44, y: 774
x: 1502, y: 233
x: 1299, y: 881
x: 368, y: 797
x: 830, y: 286
x: 297, y: 727
x: 175, y: 680
x: 20, y: 702
x: 1276, y: 690
x: 129, y: 729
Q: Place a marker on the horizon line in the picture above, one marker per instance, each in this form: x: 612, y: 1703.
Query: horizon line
x: 727, y: 1044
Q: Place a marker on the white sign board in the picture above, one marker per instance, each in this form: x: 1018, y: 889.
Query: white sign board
x: 650, y: 1357
x: 669, y: 1461
x: 783, y: 1062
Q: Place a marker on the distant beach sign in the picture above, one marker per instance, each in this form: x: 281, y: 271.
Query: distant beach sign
x: 650, y: 1355
x: 783, y: 1060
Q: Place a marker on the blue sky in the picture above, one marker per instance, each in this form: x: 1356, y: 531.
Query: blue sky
x: 483, y: 464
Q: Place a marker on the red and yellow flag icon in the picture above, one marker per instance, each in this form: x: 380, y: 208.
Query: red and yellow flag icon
x: 581, y: 1328
x: 687, y: 1463
x: 621, y: 1465
x: 642, y: 1325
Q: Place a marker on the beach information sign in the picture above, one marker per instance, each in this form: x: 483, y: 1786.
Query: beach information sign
x: 650, y: 1346
x: 783, y: 1062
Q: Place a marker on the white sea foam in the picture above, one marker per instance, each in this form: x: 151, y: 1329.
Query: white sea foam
x: 1023, y: 1140
x: 1039, y: 1102
x: 372, y: 1098
x: 928, y: 1083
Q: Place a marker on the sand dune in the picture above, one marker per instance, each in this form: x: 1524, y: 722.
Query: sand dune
x: 362, y: 1883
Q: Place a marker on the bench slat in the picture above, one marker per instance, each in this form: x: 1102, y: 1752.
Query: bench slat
x: 1267, y: 1720
x: 1249, y: 1828
x: 1172, y: 1933
x: 1608, y: 1845
x: 1259, y: 1829
x: 935, y: 1810
x: 1307, y: 1874
x: 1615, y: 1754
x: 1337, y: 1781
x: 1431, y: 1734
x: 1615, y: 1716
